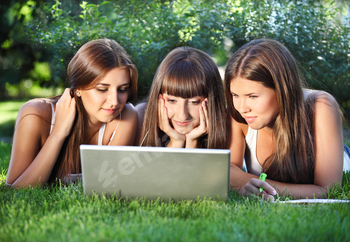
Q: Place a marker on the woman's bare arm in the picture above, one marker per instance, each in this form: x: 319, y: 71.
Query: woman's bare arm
x: 34, y: 152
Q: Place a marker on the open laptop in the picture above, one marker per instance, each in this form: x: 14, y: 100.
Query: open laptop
x: 155, y: 172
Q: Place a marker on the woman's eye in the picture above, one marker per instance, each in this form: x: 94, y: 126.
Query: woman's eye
x: 234, y: 95
x: 123, y: 89
x: 171, y: 100
x: 102, y: 89
x: 195, y: 102
x: 253, y: 97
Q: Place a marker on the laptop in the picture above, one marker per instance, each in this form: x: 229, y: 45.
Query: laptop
x: 156, y: 172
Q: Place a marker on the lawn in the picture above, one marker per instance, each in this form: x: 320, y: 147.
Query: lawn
x: 8, y: 115
x: 63, y: 213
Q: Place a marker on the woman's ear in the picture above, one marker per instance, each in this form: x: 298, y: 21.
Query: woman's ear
x: 78, y: 92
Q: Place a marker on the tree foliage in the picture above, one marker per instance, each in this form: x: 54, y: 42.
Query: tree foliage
x: 148, y: 30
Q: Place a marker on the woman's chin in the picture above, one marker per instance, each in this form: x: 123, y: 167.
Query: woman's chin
x: 183, y: 131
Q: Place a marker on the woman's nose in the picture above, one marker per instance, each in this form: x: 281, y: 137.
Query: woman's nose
x: 113, y: 98
x: 182, y: 112
x: 241, y: 105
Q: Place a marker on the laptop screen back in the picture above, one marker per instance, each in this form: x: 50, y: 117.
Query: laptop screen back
x: 155, y: 172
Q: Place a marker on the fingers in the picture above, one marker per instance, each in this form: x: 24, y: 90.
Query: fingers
x: 202, y: 128
x: 264, y: 185
x: 65, y: 113
x: 66, y: 99
x: 162, y: 114
x: 177, y: 140
x: 205, y: 114
x: 252, y: 189
x: 72, y: 102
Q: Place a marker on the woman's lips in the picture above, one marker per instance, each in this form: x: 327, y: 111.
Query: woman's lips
x: 109, y: 111
x: 181, y: 123
x: 250, y: 119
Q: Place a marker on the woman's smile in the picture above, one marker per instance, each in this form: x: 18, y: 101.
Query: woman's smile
x: 250, y: 119
x: 109, y: 111
x: 181, y: 123
x: 183, y: 113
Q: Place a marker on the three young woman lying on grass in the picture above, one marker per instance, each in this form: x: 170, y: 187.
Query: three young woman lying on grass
x: 278, y: 127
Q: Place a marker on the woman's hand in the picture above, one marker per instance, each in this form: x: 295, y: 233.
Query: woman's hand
x: 65, y: 114
x: 176, y: 139
x: 252, y: 189
x: 201, y: 129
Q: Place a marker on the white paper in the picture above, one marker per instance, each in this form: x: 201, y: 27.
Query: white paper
x: 304, y: 201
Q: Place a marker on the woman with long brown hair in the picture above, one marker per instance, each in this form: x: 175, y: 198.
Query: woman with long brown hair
x: 186, y: 105
x: 291, y: 133
x: 94, y: 110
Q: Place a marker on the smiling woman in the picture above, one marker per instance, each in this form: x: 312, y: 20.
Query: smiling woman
x: 107, y: 97
x: 186, y: 105
x: 94, y: 110
x: 278, y: 127
x: 256, y: 103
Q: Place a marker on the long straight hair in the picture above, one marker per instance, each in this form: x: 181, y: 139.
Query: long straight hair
x: 187, y: 72
x: 89, y: 65
x: 271, y: 64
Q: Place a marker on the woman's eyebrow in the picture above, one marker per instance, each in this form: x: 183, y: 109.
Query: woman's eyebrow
x: 246, y: 94
x: 106, y: 84
x: 251, y: 93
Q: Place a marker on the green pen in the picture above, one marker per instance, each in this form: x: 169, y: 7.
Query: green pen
x: 262, y: 177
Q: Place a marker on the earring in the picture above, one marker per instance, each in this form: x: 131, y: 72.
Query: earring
x: 78, y: 93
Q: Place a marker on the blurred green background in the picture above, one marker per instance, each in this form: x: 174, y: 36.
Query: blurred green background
x: 38, y: 38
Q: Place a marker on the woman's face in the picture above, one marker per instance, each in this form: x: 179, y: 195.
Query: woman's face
x: 256, y: 103
x: 183, y: 113
x: 107, y: 98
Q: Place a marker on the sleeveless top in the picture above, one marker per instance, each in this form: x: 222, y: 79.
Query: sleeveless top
x: 251, y: 160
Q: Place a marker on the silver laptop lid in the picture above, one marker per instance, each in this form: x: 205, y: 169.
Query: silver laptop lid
x: 156, y: 172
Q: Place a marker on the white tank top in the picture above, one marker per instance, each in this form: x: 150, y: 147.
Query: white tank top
x: 252, y: 163
x: 251, y: 160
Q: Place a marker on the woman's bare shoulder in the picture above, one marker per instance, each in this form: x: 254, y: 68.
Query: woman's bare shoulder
x: 129, y: 112
x: 35, y: 108
x: 321, y: 96
x: 141, y: 107
x: 35, y: 105
x: 237, y: 127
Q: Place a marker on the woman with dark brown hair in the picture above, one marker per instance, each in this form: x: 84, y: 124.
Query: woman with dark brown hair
x: 94, y: 110
x: 292, y: 134
x: 186, y: 105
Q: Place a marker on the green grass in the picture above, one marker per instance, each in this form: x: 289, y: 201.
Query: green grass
x: 8, y: 115
x: 63, y: 213
x: 9, y: 109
